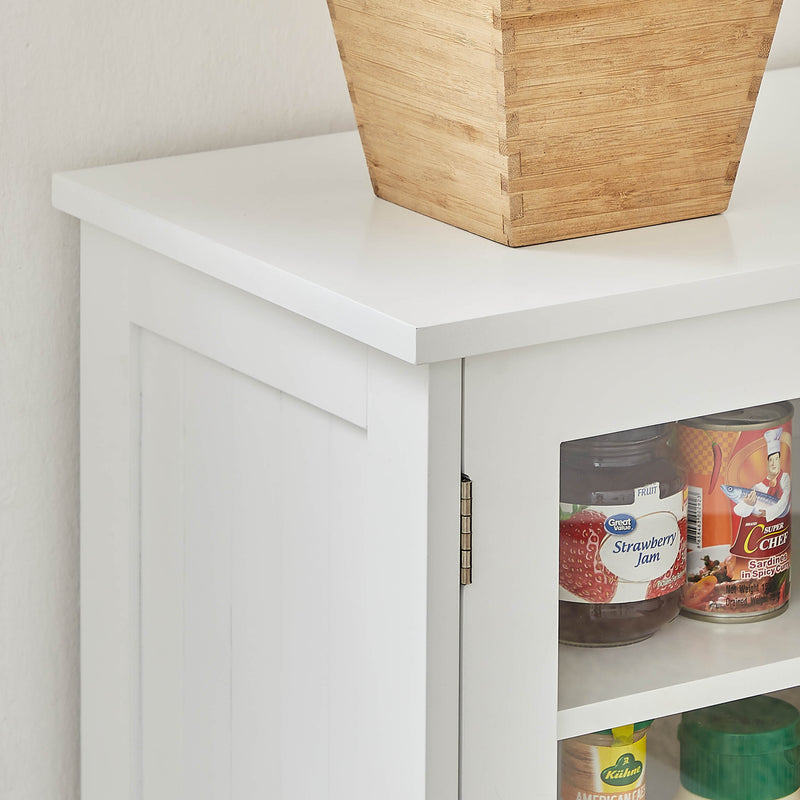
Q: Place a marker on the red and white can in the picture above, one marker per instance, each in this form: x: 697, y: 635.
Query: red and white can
x: 739, y: 512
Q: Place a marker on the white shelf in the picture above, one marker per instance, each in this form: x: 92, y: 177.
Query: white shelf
x: 688, y: 664
x: 296, y: 223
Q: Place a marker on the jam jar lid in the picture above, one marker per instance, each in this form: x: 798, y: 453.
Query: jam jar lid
x: 609, y: 448
x: 649, y: 433
x: 744, y: 418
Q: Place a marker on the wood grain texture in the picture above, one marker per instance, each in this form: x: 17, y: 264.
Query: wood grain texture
x: 529, y: 121
x: 428, y: 94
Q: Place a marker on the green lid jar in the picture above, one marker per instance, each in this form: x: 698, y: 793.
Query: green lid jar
x: 744, y: 750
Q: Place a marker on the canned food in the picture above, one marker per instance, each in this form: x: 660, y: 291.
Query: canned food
x: 739, y: 513
x: 622, y: 536
x: 605, y: 764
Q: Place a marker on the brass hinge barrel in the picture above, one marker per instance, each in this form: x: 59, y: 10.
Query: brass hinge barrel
x: 466, y: 530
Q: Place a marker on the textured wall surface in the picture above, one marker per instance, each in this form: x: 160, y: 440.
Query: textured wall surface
x: 85, y: 82
x: 786, y: 46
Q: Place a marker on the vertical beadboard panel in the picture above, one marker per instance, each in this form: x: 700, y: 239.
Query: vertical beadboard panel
x: 252, y: 592
x: 257, y: 594
x: 297, y: 501
x: 305, y: 638
x: 209, y: 469
x: 162, y: 572
x: 348, y: 599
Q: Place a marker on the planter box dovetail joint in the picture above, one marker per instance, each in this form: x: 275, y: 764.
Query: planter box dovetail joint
x: 527, y: 121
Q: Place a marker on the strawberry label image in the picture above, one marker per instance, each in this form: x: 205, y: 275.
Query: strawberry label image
x: 581, y: 570
x: 623, y: 554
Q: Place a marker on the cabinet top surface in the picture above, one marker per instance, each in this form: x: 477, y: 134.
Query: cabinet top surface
x: 296, y: 223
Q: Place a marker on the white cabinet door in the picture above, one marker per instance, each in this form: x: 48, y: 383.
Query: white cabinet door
x: 520, y: 691
x: 270, y: 549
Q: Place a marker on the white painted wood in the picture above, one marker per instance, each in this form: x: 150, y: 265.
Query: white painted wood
x: 297, y: 224
x: 256, y: 593
x: 253, y: 580
x: 307, y: 637
x: 285, y: 595
x: 509, y: 613
x: 110, y: 735
x: 412, y: 486
x: 242, y: 331
x: 443, y: 580
x: 345, y: 481
x: 162, y: 537
x: 209, y: 469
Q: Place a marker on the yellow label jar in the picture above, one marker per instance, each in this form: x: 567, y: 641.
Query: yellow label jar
x: 606, y: 765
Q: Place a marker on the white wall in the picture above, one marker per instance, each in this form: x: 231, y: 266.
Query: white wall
x: 86, y: 82
x: 786, y: 45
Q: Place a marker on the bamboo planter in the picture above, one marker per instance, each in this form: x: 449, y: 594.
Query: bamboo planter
x: 528, y: 121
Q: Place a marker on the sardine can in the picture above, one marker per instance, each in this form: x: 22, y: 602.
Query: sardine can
x: 739, y: 514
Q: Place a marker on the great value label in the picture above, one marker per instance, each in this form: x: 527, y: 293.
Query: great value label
x: 626, y: 553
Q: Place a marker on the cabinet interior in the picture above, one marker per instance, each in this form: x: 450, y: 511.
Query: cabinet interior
x: 663, y: 754
x: 688, y: 664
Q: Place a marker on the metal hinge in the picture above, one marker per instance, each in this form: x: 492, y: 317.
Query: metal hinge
x: 466, y: 530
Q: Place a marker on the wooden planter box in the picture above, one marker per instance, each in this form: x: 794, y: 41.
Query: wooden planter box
x: 527, y: 121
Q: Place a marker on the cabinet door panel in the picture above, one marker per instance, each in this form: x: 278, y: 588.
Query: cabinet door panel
x: 242, y: 575
x: 509, y: 629
x: 520, y: 690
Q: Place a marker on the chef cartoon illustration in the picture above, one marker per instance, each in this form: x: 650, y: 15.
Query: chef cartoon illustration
x: 770, y: 497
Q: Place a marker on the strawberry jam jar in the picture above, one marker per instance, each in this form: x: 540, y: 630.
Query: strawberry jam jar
x: 622, y: 526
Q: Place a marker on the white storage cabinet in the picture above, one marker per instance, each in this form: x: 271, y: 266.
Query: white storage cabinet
x: 283, y: 379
